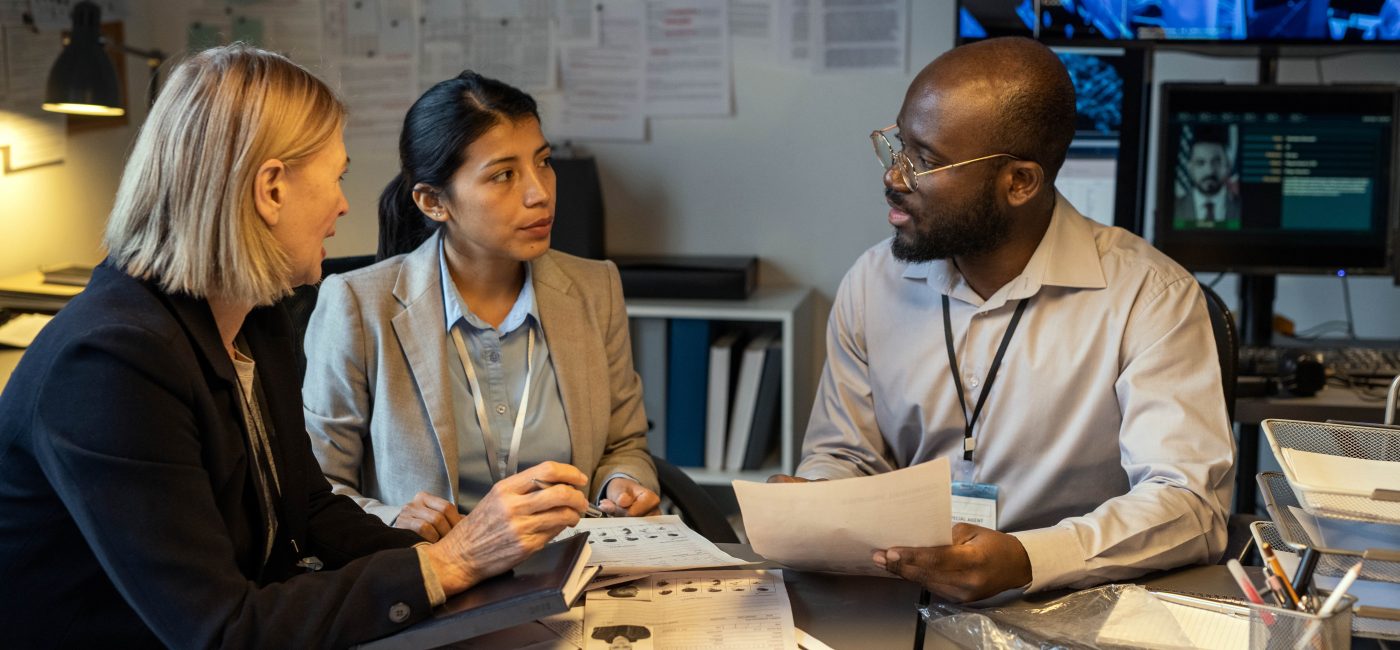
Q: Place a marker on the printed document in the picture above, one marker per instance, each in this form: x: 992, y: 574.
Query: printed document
x: 692, y: 609
x: 648, y: 544
x: 835, y: 526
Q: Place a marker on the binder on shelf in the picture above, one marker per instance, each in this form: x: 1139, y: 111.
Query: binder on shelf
x: 767, y: 414
x: 649, y: 359
x: 745, y: 400
x: 687, y: 372
x: 721, y: 386
x: 546, y: 583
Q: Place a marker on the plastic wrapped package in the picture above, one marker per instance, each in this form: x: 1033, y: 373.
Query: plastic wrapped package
x: 1111, y: 616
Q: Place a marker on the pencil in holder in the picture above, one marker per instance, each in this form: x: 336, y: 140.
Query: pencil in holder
x: 1276, y: 628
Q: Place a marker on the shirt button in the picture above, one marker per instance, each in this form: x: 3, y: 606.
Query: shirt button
x: 399, y: 612
x: 972, y: 381
x: 500, y: 409
x: 495, y: 357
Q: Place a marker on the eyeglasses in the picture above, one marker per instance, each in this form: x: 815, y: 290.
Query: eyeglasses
x: 891, y: 157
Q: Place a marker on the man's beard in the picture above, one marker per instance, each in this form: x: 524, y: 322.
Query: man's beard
x: 937, y: 234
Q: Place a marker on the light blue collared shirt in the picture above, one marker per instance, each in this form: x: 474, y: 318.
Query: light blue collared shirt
x: 499, y: 355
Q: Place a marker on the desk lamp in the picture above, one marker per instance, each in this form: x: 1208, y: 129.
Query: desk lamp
x: 83, y: 80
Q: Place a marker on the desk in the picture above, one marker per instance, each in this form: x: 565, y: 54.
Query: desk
x: 9, y: 358
x: 1331, y: 403
x: 860, y: 612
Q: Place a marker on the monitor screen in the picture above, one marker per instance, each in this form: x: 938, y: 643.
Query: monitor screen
x: 1102, y: 176
x: 1276, y: 179
x: 1190, y: 21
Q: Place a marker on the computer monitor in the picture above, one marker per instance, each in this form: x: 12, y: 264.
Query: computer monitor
x: 1089, y: 22
x: 1103, y: 174
x: 1277, y: 179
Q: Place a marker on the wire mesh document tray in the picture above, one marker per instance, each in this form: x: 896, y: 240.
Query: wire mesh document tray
x: 1349, y: 497
x: 1378, y: 586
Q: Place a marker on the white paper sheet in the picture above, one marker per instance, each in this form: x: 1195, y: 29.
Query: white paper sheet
x: 510, y: 40
x: 861, y: 35
x: 1089, y: 184
x: 835, y: 526
x: 603, y: 85
x: 377, y: 94
x: 694, y: 609
x: 623, y: 545
x: 688, y: 65
x: 576, y: 22
x: 568, y: 625
x: 1140, y: 620
x: 374, y: 29
x: 1343, y: 474
x: 794, y: 47
x: 31, y: 136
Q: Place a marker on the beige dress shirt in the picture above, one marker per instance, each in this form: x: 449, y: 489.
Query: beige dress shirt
x: 1105, y: 428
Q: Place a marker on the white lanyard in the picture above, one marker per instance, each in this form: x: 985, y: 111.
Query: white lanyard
x: 488, y: 440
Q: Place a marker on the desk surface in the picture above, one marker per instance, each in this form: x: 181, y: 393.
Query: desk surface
x: 860, y: 612
x: 1330, y: 403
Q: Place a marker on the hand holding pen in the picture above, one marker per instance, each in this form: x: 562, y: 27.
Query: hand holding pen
x: 591, y: 512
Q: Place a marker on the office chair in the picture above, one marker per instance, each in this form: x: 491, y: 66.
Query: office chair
x: 1227, y: 347
x: 694, y: 506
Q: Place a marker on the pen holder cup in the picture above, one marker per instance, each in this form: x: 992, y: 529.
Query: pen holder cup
x: 1275, y: 628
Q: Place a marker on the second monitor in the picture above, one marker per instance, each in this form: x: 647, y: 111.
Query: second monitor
x: 1276, y: 179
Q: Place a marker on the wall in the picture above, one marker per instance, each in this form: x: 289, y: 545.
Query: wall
x: 789, y: 177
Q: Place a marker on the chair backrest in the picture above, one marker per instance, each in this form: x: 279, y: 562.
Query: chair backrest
x: 1227, y: 344
x: 694, y: 506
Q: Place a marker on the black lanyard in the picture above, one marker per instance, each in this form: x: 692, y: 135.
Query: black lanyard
x: 968, y: 443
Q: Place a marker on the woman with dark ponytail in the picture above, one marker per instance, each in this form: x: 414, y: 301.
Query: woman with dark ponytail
x: 471, y: 350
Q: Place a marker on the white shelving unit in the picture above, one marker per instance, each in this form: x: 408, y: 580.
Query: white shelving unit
x: 791, y: 308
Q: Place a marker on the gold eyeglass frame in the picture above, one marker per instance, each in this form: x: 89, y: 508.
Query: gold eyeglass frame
x: 901, y: 162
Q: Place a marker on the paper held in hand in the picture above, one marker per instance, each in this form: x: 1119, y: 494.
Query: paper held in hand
x: 623, y: 545
x: 835, y: 526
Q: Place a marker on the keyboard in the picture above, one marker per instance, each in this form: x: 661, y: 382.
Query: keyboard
x: 1354, y: 362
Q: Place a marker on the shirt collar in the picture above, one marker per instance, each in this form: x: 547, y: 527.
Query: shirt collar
x: 455, y: 309
x: 1067, y: 256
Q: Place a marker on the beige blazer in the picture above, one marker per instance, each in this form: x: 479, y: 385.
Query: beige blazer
x: 377, y: 391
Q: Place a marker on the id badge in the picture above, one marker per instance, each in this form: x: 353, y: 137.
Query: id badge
x: 975, y: 503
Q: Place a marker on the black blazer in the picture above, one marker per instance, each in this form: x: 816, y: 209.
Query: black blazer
x: 129, y: 515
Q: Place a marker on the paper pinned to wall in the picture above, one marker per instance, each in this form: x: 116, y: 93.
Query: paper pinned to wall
x: 374, y: 29
x: 603, y: 85
x: 377, y: 94
x: 753, y: 24
x: 32, y: 137
x: 576, y: 22
x: 688, y: 62
x: 510, y: 40
x: 794, y: 34
x: 864, y: 35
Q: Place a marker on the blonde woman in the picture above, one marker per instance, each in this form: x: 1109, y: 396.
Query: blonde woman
x: 156, y: 484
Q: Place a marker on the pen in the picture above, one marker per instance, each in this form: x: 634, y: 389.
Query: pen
x: 1335, y: 598
x: 1328, y: 607
x: 1247, y: 587
x: 1268, y: 551
x: 1302, y: 578
x: 591, y: 512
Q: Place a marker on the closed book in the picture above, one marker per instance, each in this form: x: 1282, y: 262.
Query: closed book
x: 545, y: 584
x: 745, y: 400
x: 721, y: 385
x: 767, y: 410
x: 687, y: 374
x: 649, y: 358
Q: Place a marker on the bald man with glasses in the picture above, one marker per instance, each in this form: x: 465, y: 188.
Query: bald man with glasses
x: 1066, y: 369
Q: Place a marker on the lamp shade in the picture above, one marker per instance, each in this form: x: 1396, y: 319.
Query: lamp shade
x: 82, y: 80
